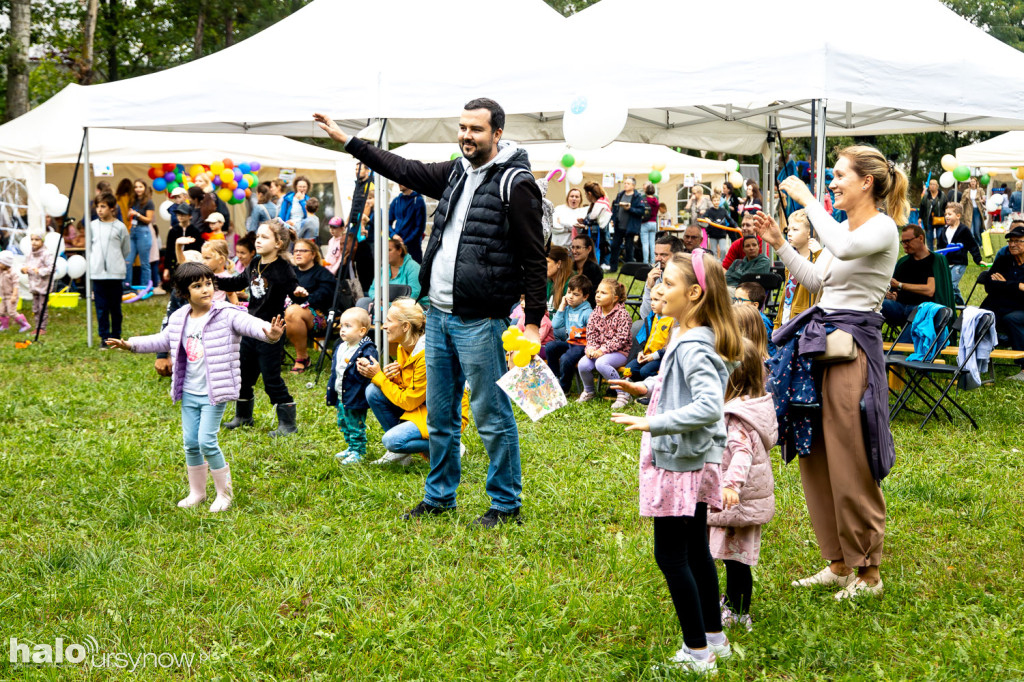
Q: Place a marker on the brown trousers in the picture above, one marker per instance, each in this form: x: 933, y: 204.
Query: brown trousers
x: 845, y: 504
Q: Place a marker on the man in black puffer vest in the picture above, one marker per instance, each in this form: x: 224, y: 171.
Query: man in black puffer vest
x: 486, y: 249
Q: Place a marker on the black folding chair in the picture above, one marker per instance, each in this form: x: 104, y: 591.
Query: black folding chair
x: 632, y: 273
x: 915, y: 373
x: 770, y: 281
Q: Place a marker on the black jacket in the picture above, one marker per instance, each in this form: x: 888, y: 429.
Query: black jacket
x: 635, y: 211
x: 932, y: 208
x: 961, y: 236
x: 319, y: 283
x: 499, y: 257
x: 353, y: 387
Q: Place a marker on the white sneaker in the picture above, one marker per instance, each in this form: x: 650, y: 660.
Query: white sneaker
x: 585, y: 397
x: 721, y: 651
x: 462, y: 449
x: 685, y: 660
x: 1019, y: 376
x: 390, y: 458
x: 859, y: 588
x: 826, y: 577
x: 621, y: 401
x: 352, y: 458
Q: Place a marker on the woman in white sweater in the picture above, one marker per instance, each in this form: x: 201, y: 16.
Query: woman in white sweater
x: 565, y: 218
x: 839, y: 475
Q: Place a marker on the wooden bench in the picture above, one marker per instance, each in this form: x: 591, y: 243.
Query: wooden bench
x: 996, y: 354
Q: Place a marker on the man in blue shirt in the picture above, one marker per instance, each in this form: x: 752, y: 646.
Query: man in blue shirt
x: 408, y: 213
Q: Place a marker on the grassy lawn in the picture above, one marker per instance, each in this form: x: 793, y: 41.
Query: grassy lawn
x: 312, y: 575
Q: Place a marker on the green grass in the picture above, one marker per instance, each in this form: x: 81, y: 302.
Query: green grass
x: 312, y: 575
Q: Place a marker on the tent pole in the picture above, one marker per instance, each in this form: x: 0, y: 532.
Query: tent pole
x: 819, y: 153
x: 381, y: 267
x: 771, y: 172
x: 86, y: 220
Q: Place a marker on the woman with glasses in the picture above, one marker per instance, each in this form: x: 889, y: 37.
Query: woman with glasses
x: 307, y: 313
x: 584, y: 262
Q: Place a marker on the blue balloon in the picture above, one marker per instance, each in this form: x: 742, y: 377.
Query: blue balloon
x: 243, y: 183
x: 159, y: 184
x: 244, y: 167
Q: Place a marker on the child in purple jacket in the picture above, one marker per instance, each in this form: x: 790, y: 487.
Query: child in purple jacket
x: 203, y: 339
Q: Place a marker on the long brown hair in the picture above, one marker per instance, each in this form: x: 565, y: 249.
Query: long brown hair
x: 748, y: 377
x: 751, y: 326
x: 560, y: 255
x: 317, y: 258
x: 890, y: 185
x: 592, y: 189
x: 713, y: 308
x: 589, y: 243
x: 147, y: 193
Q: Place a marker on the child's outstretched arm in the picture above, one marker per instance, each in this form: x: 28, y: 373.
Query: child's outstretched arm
x: 120, y: 344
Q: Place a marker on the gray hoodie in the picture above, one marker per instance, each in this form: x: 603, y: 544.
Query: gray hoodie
x: 688, y: 428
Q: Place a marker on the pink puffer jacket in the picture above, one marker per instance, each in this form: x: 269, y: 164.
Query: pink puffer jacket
x: 42, y: 262
x: 222, y: 337
x: 752, y: 430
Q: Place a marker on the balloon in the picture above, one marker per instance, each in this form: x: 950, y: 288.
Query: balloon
x: 984, y: 179
x: 159, y: 184
x: 575, y: 176
x: 521, y: 358
x: 151, y: 173
x: 734, y: 165
x: 243, y: 183
x: 60, y: 269
x: 736, y: 179
x: 55, y: 206
x: 665, y: 177
x: 53, y: 242
x: 560, y: 172
x: 995, y: 202
x: 454, y: 156
x: 961, y: 173
x: 76, y: 266
x: 168, y: 167
x: 231, y: 185
x: 196, y: 170
x: 216, y: 167
x: 658, y: 167
x: 654, y: 176
x: 248, y: 193
x: 224, y: 193
x: 169, y: 176
x: 165, y: 209
x: 158, y: 167
x: 255, y: 166
x: 506, y: 338
x: 532, y: 347
x: 237, y: 174
x: 244, y: 167
x: 239, y: 193
x: 228, y: 163
x: 948, y: 162
x: 227, y: 175
x: 593, y: 120
x: 50, y: 189
x: 216, y: 181
x: 568, y: 160
x: 947, y: 180
x: 1019, y: 173
x: 171, y: 186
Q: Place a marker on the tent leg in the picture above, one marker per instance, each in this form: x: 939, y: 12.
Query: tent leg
x: 819, y: 148
x: 382, y: 269
x: 770, y: 173
x: 86, y: 214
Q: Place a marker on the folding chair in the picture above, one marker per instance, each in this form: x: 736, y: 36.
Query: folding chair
x: 770, y: 281
x: 634, y: 272
x: 916, y: 373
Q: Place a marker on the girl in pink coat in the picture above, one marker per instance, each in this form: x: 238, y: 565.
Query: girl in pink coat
x: 748, y: 488
x: 203, y: 339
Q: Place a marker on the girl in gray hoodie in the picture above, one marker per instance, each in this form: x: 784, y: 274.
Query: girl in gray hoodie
x: 681, y: 448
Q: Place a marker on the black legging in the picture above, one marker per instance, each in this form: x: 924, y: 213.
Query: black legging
x: 256, y: 358
x: 681, y: 550
x: 739, y: 586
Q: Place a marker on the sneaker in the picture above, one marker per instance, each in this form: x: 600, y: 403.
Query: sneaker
x: 621, y: 401
x: 159, y: 291
x: 721, y: 651
x: 585, y: 397
x: 424, y: 509
x: 606, y: 267
x: 394, y: 458
x: 343, y: 455
x: 859, y: 588
x: 352, y: 458
x: 826, y: 577
x: 685, y: 660
x: 494, y: 517
x: 1019, y: 376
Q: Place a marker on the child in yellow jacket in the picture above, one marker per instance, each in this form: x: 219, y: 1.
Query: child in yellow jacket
x: 652, y: 337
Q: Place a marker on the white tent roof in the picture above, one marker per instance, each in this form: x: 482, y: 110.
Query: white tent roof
x: 1002, y: 151
x: 879, y: 73
x: 623, y: 157
x: 52, y: 133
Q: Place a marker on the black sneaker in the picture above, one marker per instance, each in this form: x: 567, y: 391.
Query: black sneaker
x: 494, y: 517
x: 424, y: 509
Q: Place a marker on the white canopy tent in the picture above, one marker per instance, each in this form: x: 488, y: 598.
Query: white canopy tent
x: 1003, y: 151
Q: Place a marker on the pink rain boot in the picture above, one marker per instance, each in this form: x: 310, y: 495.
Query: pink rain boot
x: 5, y: 323
x: 222, y: 482
x: 196, y: 485
x: 25, y: 325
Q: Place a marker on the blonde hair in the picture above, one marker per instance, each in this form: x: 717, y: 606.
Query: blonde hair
x: 405, y: 310
x: 751, y: 326
x: 357, y: 315
x: 890, y: 183
x: 217, y: 246
x: 282, y: 235
x: 748, y: 377
x: 713, y: 308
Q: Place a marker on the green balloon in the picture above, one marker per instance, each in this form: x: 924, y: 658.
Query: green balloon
x: 654, y: 177
x: 455, y: 155
x: 568, y: 160
x: 984, y: 180
x: 961, y: 173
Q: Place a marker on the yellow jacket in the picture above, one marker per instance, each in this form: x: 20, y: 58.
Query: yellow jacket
x: 661, y: 330
x: 409, y: 390
x: 802, y: 299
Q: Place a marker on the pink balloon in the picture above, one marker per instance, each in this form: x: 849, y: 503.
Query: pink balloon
x: 559, y: 172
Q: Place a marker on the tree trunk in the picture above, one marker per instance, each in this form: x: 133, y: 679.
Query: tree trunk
x: 197, y: 43
x: 89, y: 31
x: 229, y: 27
x: 110, y: 17
x: 17, y: 59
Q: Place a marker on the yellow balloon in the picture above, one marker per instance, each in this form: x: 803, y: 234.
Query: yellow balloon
x: 949, y: 162
x: 217, y: 166
x: 196, y: 170
x: 579, y: 163
x: 521, y: 358
x: 515, y: 330
x: 506, y: 337
x: 225, y: 194
x: 226, y: 176
x: 1020, y: 172
x: 532, y: 348
x: 658, y: 167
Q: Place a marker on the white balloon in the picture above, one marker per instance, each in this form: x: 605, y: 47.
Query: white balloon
x: 593, y: 120
x: 947, y: 180
x: 26, y: 244
x: 61, y: 269
x: 55, y: 205
x: 665, y: 177
x: 165, y: 209
x: 574, y: 176
x: 995, y: 202
x: 76, y: 266
x: 53, y: 243
x: 736, y: 179
x: 49, y: 189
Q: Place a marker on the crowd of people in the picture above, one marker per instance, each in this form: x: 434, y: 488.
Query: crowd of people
x: 719, y: 381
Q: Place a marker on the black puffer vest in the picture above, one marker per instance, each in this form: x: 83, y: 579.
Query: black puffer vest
x: 487, y: 281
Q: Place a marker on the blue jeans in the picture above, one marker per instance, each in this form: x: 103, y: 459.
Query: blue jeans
x: 562, y: 359
x: 141, y: 241
x: 200, y: 422
x: 648, y: 233
x: 399, y: 436
x: 640, y: 372
x: 956, y: 273
x: 458, y: 351
x: 719, y: 247
x: 897, y: 314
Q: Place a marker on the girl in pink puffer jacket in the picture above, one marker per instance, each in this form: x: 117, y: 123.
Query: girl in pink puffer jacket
x: 748, y: 488
x: 203, y: 339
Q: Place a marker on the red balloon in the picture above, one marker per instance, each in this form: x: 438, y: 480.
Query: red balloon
x: 228, y: 163
x: 152, y: 173
x: 168, y: 167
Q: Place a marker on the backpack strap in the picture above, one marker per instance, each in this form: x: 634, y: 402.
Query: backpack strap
x: 505, y: 185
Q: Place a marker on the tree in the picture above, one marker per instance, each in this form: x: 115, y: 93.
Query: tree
x: 1002, y: 19
x: 17, y: 58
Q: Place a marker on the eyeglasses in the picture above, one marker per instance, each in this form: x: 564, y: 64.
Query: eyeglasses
x: 907, y: 241
x: 1015, y: 240
x: 737, y: 299
x: 301, y: 251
